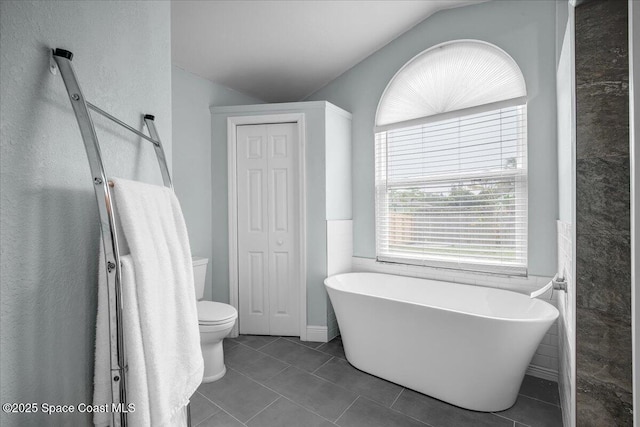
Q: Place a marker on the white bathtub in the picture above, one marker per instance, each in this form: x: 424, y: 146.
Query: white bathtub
x: 466, y: 345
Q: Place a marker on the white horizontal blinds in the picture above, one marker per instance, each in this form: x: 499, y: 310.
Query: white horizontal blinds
x: 451, y: 167
x: 453, y: 193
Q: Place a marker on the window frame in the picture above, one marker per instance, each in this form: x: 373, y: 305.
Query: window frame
x: 517, y: 267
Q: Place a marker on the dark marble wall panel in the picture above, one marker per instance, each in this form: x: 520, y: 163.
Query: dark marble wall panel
x: 603, y: 257
x: 602, y: 194
x: 603, y: 254
x: 602, y: 78
x: 604, y: 371
x: 598, y: 137
x: 605, y: 284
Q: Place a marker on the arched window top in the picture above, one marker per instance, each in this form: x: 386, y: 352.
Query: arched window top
x: 457, y: 75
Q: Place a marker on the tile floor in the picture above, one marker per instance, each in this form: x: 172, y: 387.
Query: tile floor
x: 285, y: 382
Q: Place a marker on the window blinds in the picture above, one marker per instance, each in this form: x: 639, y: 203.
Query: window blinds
x: 455, y: 76
x: 452, y: 193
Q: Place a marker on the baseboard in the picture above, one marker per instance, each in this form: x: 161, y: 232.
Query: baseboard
x: 314, y: 333
x: 317, y: 333
x: 544, y: 373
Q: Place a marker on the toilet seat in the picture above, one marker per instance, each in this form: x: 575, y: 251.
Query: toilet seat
x: 215, y: 313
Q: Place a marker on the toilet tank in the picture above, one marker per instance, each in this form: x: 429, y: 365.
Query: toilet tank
x: 199, y: 274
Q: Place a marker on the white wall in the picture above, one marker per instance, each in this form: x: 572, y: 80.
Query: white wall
x: 338, y: 174
x: 191, y: 98
x: 49, y: 221
x: 525, y: 30
x: 566, y: 95
x: 565, y: 88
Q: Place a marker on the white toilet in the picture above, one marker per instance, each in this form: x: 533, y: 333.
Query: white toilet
x: 216, y: 321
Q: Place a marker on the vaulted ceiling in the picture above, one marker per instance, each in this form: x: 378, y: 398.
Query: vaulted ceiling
x: 280, y: 51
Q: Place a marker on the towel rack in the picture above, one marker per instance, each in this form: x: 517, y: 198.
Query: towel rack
x: 81, y: 106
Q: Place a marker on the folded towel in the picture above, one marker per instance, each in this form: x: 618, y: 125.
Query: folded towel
x: 161, y: 322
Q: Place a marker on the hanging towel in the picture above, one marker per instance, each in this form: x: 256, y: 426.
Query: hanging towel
x: 137, y: 392
x: 161, y: 323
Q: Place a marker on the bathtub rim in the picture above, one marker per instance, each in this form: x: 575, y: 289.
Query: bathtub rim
x: 543, y: 318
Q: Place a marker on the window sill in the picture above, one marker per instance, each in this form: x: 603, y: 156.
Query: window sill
x: 519, y: 284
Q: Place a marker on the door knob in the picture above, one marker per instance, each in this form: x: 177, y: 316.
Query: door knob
x: 280, y: 242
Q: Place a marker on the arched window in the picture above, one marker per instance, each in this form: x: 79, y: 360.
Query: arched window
x: 451, y: 161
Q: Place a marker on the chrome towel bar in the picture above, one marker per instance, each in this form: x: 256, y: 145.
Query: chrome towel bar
x: 118, y: 360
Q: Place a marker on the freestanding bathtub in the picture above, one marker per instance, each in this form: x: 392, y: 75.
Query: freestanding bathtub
x: 466, y: 345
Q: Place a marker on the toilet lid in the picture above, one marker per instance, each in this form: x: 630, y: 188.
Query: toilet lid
x: 211, y: 313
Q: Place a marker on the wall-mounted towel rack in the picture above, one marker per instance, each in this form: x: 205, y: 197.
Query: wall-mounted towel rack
x: 81, y: 106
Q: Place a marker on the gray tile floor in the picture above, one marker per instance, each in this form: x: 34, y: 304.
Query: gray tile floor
x: 284, y: 382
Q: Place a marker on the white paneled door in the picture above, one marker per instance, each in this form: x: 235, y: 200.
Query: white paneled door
x: 268, y: 229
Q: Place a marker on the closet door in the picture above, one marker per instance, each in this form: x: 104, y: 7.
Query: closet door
x: 268, y: 229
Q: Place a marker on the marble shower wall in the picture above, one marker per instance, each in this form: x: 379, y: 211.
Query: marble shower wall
x: 603, y: 255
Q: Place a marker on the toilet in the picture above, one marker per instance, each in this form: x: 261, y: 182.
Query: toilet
x: 215, y: 321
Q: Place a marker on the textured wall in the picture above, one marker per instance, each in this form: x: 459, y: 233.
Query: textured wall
x: 526, y: 31
x: 191, y: 97
x: 603, y: 257
x: 49, y: 229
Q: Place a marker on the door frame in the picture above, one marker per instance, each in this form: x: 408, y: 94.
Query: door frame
x: 232, y: 124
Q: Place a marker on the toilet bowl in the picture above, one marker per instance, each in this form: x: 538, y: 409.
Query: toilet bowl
x: 215, y: 321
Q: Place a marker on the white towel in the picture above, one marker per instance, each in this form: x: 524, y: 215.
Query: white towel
x: 161, y: 322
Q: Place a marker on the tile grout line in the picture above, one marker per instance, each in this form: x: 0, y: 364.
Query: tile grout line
x: 333, y: 355
x: 402, y: 413
x: 269, y: 343
x: 283, y: 396
x: 210, y: 416
x: 503, y: 417
x: 263, y: 385
x: 261, y: 411
x: 244, y: 345
x: 313, y: 374
x: 289, y: 364
x: 310, y: 373
x: 307, y: 372
x: 299, y: 343
x: 267, y: 354
x: 307, y: 409
x: 259, y: 349
x: 221, y: 410
x: 259, y: 383
x: 348, y: 407
x: 229, y: 368
x: 397, y: 397
x: 274, y: 375
x: 329, y: 360
x: 346, y: 389
x: 208, y: 400
x: 539, y: 400
x: 325, y: 343
x: 254, y: 348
